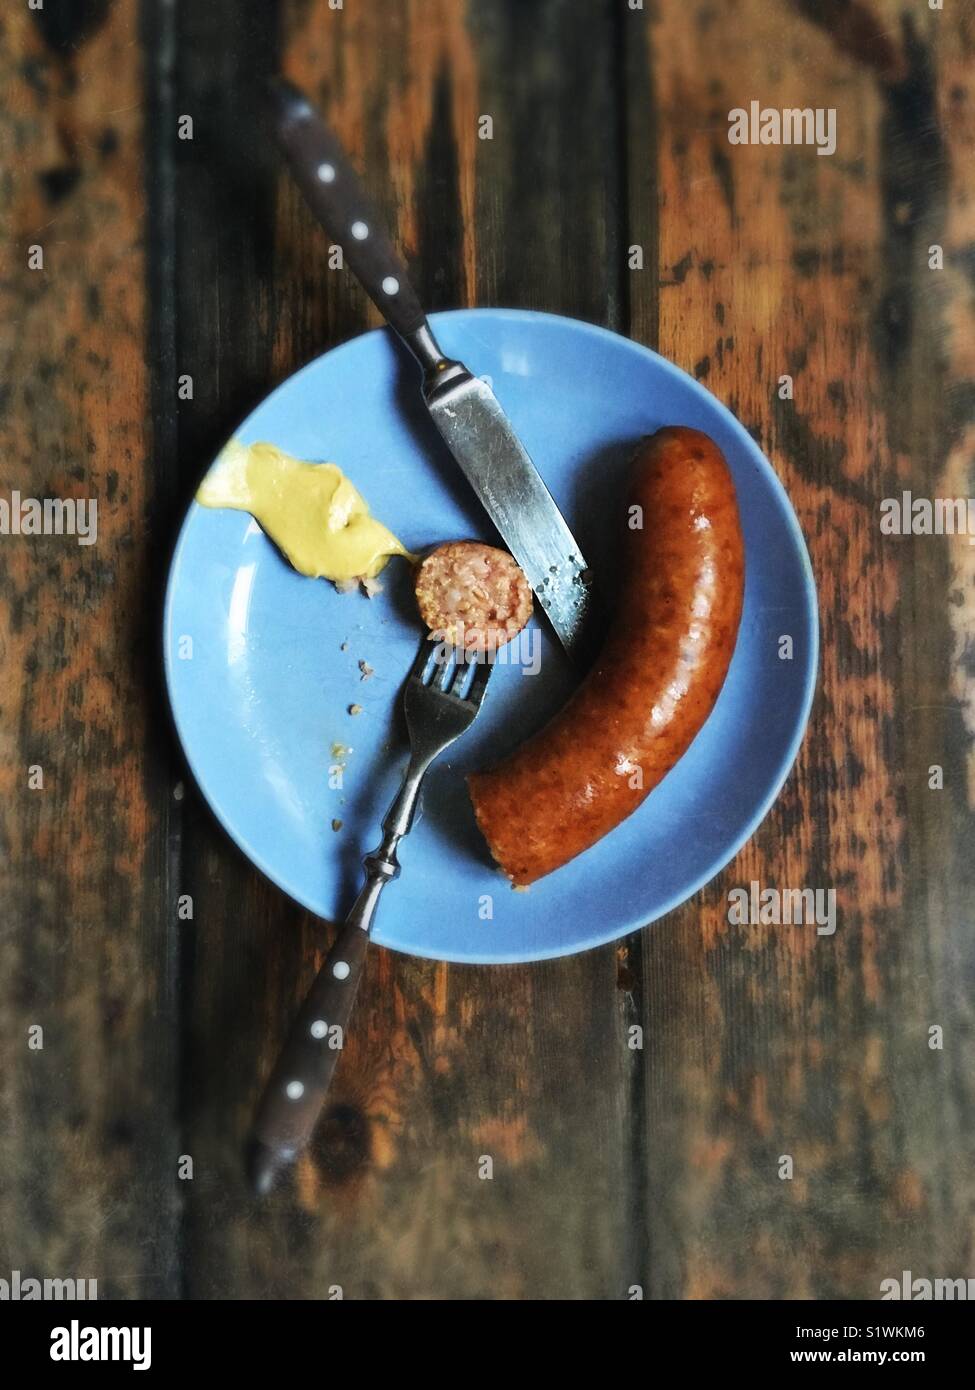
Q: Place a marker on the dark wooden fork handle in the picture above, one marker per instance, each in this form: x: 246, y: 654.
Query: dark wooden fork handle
x: 294, y: 1096
x: 295, y: 1092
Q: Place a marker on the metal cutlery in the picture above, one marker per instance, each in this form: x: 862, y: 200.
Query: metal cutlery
x: 441, y: 699
x: 464, y: 408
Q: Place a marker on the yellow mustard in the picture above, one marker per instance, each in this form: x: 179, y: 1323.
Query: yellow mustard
x: 310, y: 510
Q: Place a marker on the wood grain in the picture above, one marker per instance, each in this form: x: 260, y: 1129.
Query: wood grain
x: 88, y: 944
x: 443, y: 1064
x: 767, y: 1042
x: 167, y: 257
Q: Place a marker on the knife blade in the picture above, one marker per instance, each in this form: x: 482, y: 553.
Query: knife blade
x: 463, y: 407
x: 495, y: 463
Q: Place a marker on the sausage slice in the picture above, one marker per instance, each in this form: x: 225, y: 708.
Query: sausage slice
x: 472, y: 595
x: 663, y: 662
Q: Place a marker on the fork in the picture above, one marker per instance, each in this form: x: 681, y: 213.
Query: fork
x: 441, y: 699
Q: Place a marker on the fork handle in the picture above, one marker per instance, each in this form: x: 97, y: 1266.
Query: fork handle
x: 297, y: 1087
x: 296, y: 1090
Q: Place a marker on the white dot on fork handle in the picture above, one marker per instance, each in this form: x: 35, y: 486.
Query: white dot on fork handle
x: 391, y: 285
x: 341, y: 969
x: 359, y: 230
x: 319, y: 1028
x: 326, y: 172
x: 294, y: 1090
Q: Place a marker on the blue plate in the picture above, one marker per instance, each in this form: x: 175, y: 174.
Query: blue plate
x: 262, y: 664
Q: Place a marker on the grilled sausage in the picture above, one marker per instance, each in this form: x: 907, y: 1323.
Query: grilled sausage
x: 472, y: 596
x: 663, y: 662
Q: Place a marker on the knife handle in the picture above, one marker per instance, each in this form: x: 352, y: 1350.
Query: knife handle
x: 336, y: 196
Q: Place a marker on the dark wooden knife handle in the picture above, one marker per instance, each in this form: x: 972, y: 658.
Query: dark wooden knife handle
x: 294, y: 1095
x: 335, y: 194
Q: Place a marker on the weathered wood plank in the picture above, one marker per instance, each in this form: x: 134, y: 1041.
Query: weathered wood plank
x: 87, y: 1149
x: 759, y: 1041
x: 772, y: 1041
x: 443, y: 1064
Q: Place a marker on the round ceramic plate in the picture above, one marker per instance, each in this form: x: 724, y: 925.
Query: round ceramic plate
x: 261, y: 690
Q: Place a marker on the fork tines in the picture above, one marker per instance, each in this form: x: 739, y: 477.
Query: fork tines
x: 452, y: 671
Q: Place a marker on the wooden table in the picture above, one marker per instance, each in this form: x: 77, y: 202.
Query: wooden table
x: 615, y: 1169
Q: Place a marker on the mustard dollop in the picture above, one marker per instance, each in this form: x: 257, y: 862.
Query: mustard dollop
x: 310, y: 510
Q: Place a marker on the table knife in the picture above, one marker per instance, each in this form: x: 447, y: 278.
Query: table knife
x: 463, y: 406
